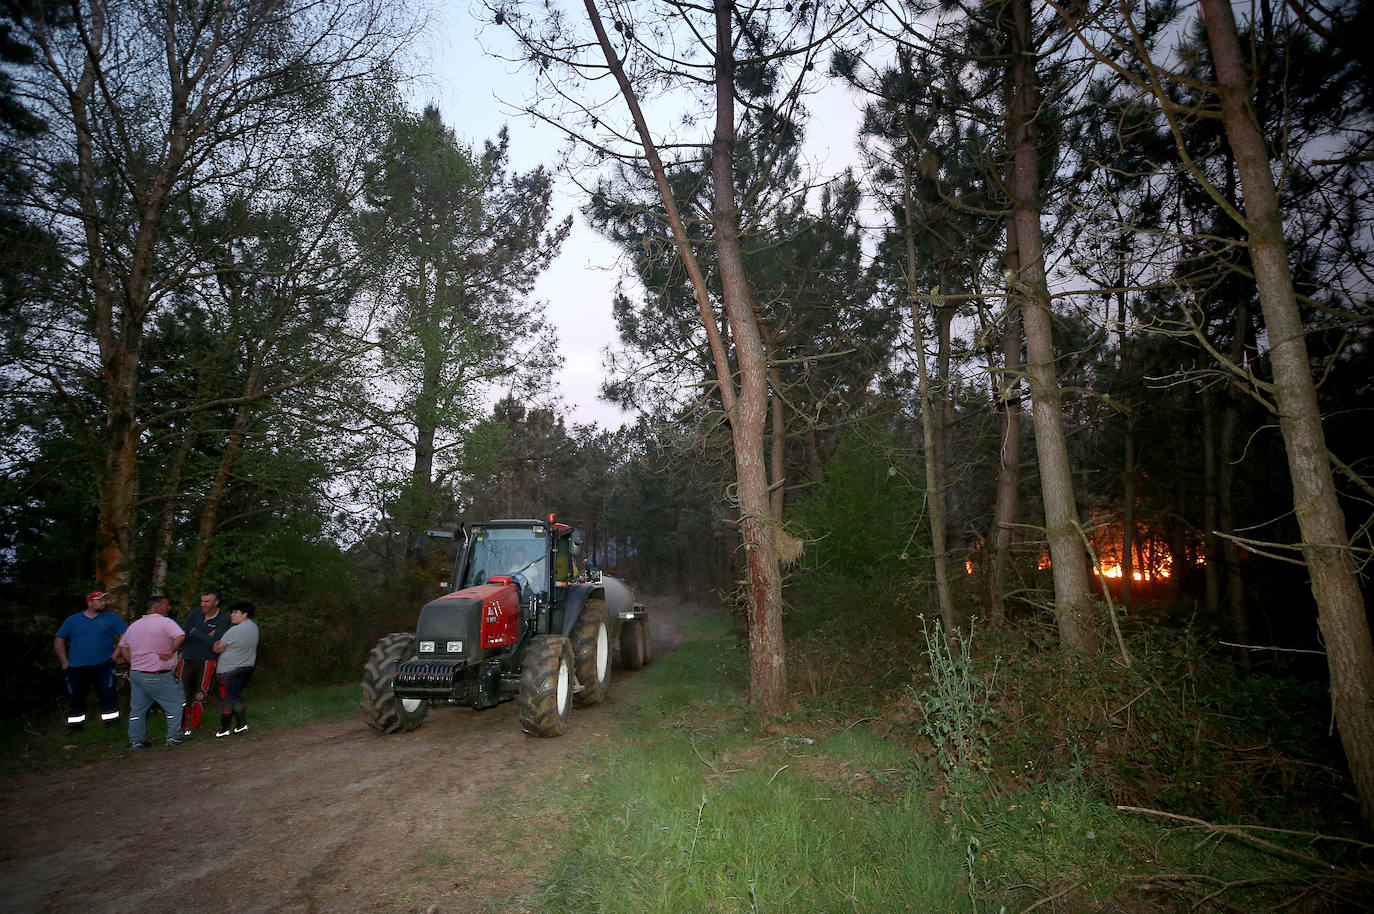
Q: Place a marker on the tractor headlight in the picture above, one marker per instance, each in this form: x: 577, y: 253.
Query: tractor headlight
x: 426, y: 647
x: 454, y: 647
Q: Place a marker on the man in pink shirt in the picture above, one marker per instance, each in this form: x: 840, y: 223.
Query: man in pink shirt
x: 150, y: 646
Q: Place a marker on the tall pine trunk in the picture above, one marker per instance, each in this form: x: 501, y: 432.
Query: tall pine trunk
x: 930, y: 431
x: 1068, y: 562
x: 1008, y: 508
x: 1341, y: 613
x: 767, y: 664
x: 746, y: 402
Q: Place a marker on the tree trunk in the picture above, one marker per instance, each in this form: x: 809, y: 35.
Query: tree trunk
x: 767, y: 666
x: 1341, y: 613
x: 1068, y: 562
x: 1128, y: 440
x: 209, y: 514
x: 930, y: 433
x: 1210, y: 515
x: 119, y: 314
x: 747, y: 405
x: 419, y: 497
x: 167, y: 525
x: 1008, y: 508
x: 777, y: 449
x: 1236, y: 610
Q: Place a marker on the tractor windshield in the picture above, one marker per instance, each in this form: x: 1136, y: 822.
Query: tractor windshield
x: 521, y: 552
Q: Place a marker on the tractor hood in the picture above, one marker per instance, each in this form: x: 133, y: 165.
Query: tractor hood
x: 457, y: 626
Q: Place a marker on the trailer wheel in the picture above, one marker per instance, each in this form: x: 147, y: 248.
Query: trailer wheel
x: 591, y: 645
x: 546, y: 686
x: 382, y: 709
x: 632, y: 644
x: 644, y: 638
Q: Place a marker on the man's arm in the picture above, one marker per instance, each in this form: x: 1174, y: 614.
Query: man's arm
x: 176, y: 646
x: 60, y: 646
x: 198, y: 630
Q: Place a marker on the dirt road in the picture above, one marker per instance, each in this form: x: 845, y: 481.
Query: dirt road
x: 326, y: 817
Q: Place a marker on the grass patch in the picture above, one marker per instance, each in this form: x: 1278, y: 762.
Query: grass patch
x: 37, y: 743
x: 697, y: 805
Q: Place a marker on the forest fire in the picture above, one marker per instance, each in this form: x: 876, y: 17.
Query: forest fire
x: 1152, y: 559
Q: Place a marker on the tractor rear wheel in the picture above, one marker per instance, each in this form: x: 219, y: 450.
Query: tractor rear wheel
x: 382, y: 709
x: 632, y: 644
x: 546, y: 686
x: 591, y: 644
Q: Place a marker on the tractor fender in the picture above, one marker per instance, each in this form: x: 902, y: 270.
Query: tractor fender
x: 618, y: 596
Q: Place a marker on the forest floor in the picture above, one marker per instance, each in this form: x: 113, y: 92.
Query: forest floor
x: 326, y: 817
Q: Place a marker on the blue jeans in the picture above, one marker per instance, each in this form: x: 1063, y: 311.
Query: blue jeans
x: 148, y: 689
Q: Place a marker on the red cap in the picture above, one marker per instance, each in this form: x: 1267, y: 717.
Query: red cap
x: 96, y: 595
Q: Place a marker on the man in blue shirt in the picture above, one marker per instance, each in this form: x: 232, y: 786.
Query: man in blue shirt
x: 89, y: 663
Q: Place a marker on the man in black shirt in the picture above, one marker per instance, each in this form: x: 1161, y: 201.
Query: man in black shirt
x: 203, y: 626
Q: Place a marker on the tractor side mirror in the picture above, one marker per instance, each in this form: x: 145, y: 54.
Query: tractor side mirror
x: 576, y: 540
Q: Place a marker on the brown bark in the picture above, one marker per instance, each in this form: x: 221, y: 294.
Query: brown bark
x: 777, y: 453
x: 420, y: 496
x: 119, y: 314
x: 930, y: 434
x: 767, y: 670
x: 746, y: 406
x: 1128, y: 439
x: 1210, y: 507
x: 1325, y: 545
x: 956, y: 548
x: 167, y: 524
x: 1008, y: 507
x: 1068, y: 562
x: 209, y: 512
x: 1236, y: 610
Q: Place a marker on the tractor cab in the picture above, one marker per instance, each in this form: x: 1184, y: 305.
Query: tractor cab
x: 541, y: 558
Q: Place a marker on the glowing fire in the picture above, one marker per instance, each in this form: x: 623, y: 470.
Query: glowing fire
x: 1153, y: 560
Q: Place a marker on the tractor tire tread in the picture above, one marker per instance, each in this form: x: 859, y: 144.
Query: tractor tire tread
x: 593, y: 622
x: 381, y: 709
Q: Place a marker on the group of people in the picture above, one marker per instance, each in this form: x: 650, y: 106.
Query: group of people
x: 175, y: 667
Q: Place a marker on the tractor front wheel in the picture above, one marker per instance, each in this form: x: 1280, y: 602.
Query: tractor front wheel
x: 591, y: 644
x: 546, y: 686
x: 383, y: 710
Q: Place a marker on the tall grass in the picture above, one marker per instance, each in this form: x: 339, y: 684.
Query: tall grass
x: 696, y: 808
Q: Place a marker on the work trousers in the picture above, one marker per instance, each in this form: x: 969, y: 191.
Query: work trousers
x: 148, y: 689
x: 81, y: 680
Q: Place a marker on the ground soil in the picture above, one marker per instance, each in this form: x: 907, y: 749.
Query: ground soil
x: 326, y: 817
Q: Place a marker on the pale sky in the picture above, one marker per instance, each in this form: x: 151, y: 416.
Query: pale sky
x: 578, y: 286
x: 469, y: 87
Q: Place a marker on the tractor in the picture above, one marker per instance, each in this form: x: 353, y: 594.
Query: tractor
x: 525, y: 618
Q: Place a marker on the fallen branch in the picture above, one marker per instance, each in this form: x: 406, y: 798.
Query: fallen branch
x: 1244, y: 832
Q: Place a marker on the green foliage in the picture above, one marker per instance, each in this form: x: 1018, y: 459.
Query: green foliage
x: 958, y: 711
x: 862, y: 522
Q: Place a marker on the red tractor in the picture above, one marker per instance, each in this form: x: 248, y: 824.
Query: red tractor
x: 525, y: 619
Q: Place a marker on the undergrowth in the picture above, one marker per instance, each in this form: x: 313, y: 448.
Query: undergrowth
x: 699, y: 805
x: 1179, y: 782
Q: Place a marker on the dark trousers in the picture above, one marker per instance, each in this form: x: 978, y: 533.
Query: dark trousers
x: 196, y: 678
x: 82, y: 680
x: 231, y: 686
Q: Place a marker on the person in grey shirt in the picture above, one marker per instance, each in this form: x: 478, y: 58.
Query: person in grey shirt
x: 238, y: 654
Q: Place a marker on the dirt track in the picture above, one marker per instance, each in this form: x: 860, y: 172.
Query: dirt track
x: 321, y: 818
